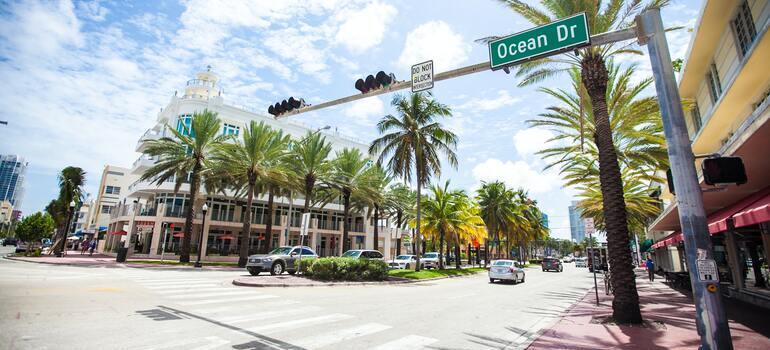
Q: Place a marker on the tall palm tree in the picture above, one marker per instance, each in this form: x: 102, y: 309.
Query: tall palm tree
x: 594, y: 76
x: 399, y: 204
x: 257, y: 157
x: 186, y: 153
x: 309, y: 162
x: 372, y: 197
x: 348, y: 176
x: 497, y: 209
x: 414, y: 142
x: 71, y: 181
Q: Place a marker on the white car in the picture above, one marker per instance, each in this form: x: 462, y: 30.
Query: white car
x: 403, y: 262
x: 567, y: 259
x: 581, y: 262
x: 506, y: 270
x: 430, y: 260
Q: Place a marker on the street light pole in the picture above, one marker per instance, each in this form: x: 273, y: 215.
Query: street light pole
x: 60, y: 253
x: 204, y: 209
x: 709, y: 312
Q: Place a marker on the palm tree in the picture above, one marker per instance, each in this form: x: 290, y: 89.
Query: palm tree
x: 309, y: 162
x: 255, y: 159
x: 594, y: 77
x: 414, y: 142
x: 348, y: 176
x: 185, y: 154
x: 497, y: 209
x: 71, y: 182
x: 399, y: 204
x: 372, y: 197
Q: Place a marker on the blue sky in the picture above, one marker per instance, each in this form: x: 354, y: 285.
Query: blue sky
x: 83, y: 80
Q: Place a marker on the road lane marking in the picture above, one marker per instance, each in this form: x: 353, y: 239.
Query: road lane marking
x: 340, y: 335
x: 268, y: 314
x: 213, y: 310
x: 409, y: 342
x: 223, y: 293
x: 207, y: 284
x: 225, y: 300
x: 276, y: 327
x: 193, y: 289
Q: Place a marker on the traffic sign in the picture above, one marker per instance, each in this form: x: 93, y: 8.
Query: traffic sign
x: 422, y: 76
x: 707, y: 270
x: 558, y: 36
x: 589, y: 226
x: 305, y: 224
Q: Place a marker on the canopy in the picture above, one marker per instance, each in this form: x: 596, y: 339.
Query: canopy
x: 119, y: 233
x: 718, y: 220
x: 179, y: 234
x: 673, y: 238
x: 759, y: 211
x: 226, y: 237
x: 73, y: 238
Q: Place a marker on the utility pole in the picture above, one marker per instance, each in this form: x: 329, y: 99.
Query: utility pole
x: 709, y: 311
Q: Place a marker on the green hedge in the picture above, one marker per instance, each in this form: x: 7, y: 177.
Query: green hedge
x: 535, y: 261
x: 345, y: 269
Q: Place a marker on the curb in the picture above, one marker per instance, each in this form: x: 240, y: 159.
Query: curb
x: 335, y: 284
x: 117, y: 265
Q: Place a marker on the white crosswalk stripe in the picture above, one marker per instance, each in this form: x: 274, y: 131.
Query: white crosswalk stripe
x: 210, y: 342
x: 200, y: 284
x: 277, y: 327
x: 191, y: 289
x: 340, y: 335
x: 174, y: 282
x: 226, y: 300
x: 409, y: 342
x: 223, y: 293
x: 239, y: 308
x: 268, y: 314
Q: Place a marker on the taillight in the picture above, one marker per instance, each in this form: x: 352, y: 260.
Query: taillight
x: 512, y: 269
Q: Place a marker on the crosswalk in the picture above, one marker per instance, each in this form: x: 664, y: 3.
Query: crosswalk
x: 252, y: 318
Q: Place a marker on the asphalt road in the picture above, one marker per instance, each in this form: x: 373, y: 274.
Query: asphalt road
x: 61, y: 307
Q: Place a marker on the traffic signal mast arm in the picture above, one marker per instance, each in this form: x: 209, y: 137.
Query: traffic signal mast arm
x: 600, y: 39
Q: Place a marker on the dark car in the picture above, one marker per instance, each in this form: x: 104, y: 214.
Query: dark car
x: 10, y: 241
x: 552, y: 264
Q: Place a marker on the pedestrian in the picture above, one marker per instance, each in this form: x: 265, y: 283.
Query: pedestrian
x: 85, y: 246
x: 650, y: 269
x: 93, y: 247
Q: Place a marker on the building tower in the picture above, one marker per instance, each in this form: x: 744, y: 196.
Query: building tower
x: 12, y: 172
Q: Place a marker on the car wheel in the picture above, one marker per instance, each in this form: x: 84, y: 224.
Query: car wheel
x: 522, y: 278
x: 406, y: 267
x: 277, y: 268
x: 491, y: 280
x: 543, y: 269
x: 515, y: 280
x: 561, y: 269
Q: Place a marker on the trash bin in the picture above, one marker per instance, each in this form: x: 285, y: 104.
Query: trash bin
x: 122, y: 253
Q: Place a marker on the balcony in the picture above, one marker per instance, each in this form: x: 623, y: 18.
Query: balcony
x: 143, y: 163
x: 200, y: 83
x: 150, y: 134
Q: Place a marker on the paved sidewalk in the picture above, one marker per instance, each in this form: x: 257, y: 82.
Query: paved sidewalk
x: 669, y: 323
x: 74, y: 258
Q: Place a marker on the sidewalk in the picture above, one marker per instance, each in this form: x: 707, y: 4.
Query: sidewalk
x: 669, y: 323
x: 74, y: 258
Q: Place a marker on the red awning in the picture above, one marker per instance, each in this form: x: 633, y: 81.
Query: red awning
x: 718, y: 220
x: 119, y: 233
x: 179, y: 234
x: 671, y: 239
x: 758, y: 212
x: 226, y: 237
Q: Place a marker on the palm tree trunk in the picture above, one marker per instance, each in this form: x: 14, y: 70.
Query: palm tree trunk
x: 270, y: 215
x: 309, y: 184
x: 417, y: 233
x: 440, y: 247
x: 184, y: 253
x: 625, y: 304
x: 399, y: 213
x: 486, y: 252
x: 376, y: 228
x: 457, y: 250
x: 346, y: 223
x: 243, y: 255
x: 448, y: 247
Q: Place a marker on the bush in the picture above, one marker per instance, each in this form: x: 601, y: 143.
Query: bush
x: 535, y: 261
x: 345, y: 269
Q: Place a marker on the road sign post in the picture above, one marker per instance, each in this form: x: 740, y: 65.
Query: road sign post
x: 422, y: 76
x: 558, y: 36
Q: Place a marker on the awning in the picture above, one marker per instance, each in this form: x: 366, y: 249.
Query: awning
x: 102, y: 228
x: 718, y: 221
x: 671, y: 239
x: 179, y: 234
x: 119, y: 233
x: 226, y: 237
x: 758, y: 212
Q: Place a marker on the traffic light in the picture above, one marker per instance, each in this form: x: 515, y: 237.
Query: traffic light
x: 724, y: 170
x: 374, y: 82
x: 286, y: 106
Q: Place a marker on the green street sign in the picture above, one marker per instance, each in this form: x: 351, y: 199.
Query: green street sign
x: 550, y: 39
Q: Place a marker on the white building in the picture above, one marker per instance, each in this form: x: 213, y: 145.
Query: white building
x: 145, y: 210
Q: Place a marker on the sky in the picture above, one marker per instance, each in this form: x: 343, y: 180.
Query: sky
x: 82, y: 80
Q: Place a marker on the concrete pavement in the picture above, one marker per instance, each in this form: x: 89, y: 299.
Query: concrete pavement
x: 47, y: 306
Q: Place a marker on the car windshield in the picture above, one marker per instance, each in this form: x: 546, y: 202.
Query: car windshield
x: 351, y: 254
x: 403, y: 257
x: 280, y: 251
x: 503, y: 263
x: 549, y: 260
x: 431, y: 255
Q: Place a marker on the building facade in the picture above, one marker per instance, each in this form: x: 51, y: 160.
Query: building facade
x: 576, y: 224
x: 151, y: 216
x: 726, y: 77
x: 12, y: 172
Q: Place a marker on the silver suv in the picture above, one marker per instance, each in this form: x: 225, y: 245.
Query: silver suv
x: 279, y: 260
x: 363, y: 254
x: 430, y: 260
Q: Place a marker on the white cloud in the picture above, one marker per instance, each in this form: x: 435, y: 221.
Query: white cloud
x: 92, y: 10
x: 364, y: 29
x: 516, y: 174
x: 364, y: 111
x: 476, y: 105
x: 41, y: 28
x: 529, y: 141
x: 434, y: 40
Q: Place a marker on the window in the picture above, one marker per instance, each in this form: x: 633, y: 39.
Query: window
x: 184, y: 124
x: 112, y: 190
x: 110, y: 172
x: 229, y: 129
x: 697, y: 123
x: 106, y: 209
x: 743, y: 25
x: 715, y: 86
x: 306, y: 251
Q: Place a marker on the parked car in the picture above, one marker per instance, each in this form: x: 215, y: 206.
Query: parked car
x: 581, y: 262
x: 430, y: 260
x: 21, y: 247
x: 552, y: 264
x: 10, y: 241
x: 404, y: 262
x: 365, y: 254
x: 567, y: 259
x: 506, y: 270
x: 279, y: 260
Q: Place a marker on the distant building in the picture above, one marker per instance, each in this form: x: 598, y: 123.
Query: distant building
x: 577, y: 226
x: 6, y: 212
x: 544, y: 219
x: 12, y: 171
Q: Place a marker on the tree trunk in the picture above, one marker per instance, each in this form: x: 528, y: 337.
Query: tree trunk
x: 457, y: 251
x: 309, y: 184
x: 398, y: 225
x: 440, y: 247
x: 470, y: 256
x: 486, y: 253
x: 270, y: 217
x: 625, y: 304
x: 243, y: 255
x: 376, y: 228
x: 417, y: 233
x: 346, y: 223
x: 448, y: 247
x: 184, y: 253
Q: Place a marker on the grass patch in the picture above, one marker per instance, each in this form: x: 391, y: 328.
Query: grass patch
x: 177, y: 263
x: 425, y: 274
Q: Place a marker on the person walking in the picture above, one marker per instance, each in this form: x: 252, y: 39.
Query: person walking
x: 92, y: 248
x: 650, y: 269
x: 84, y: 246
